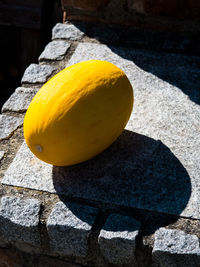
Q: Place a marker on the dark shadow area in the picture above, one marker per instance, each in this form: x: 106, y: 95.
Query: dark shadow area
x: 136, y: 172
x: 25, y: 29
x: 10, y: 62
x: 147, y: 50
x: 178, y: 70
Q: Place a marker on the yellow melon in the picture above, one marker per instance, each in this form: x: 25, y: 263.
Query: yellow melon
x: 78, y: 113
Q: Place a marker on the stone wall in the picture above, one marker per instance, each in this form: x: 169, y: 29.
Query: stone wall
x: 166, y: 15
x: 137, y: 203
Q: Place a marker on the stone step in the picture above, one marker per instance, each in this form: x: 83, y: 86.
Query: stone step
x: 104, y: 212
x: 137, y: 171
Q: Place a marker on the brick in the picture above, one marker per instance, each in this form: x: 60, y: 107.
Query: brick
x: 87, y: 5
x: 117, y: 240
x: 190, y: 9
x: 69, y: 225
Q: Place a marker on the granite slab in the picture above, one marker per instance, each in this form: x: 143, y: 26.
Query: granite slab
x: 154, y: 164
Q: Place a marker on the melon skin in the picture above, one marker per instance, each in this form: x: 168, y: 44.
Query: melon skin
x: 78, y: 113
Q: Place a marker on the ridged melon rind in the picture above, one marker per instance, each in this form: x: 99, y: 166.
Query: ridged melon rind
x: 78, y: 113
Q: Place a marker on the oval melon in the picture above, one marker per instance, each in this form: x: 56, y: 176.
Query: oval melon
x: 78, y: 113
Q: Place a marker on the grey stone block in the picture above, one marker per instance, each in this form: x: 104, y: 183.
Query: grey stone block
x: 175, y: 248
x: 71, y: 32
x: 55, y: 50
x: 69, y: 225
x: 37, y: 73
x: 19, y: 100
x: 24, y: 165
x: 137, y: 170
x: 1, y: 154
x: 8, y: 124
x: 19, y: 220
x: 117, y: 240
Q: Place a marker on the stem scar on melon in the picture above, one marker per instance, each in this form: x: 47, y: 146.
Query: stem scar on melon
x: 78, y: 113
x: 38, y: 148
